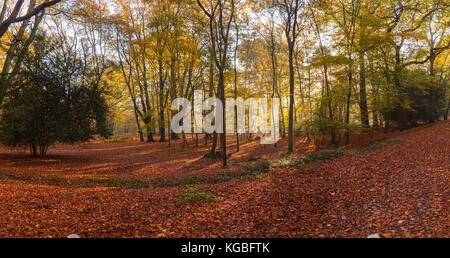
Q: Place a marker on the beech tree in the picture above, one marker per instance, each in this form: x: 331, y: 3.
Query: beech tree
x: 221, y: 15
x: 15, y: 42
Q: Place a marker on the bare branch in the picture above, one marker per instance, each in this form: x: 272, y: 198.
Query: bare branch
x: 13, y: 19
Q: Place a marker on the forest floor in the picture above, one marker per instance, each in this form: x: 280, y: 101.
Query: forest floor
x: 395, y: 185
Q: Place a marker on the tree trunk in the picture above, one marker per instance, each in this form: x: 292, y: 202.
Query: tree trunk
x: 162, y: 130
x: 235, y: 87
x: 398, y: 86
x: 168, y: 126
x: 149, y: 129
x: 329, y: 103
x: 448, y: 108
x: 33, y: 150
x: 141, y: 135
x: 375, y: 119
x: 291, y: 100
x: 150, y: 136
x: 43, y: 150
x: 223, y: 136
x: 362, y: 91
x: 432, y: 98
x: 347, y: 114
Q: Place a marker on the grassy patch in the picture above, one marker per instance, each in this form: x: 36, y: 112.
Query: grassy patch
x: 8, y: 176
x: 31, y: 177
x: 393, y: 141
x: 195, y: 194
x: 130, y: 183
x: 58, y: 179
x: 4, y: 177
x: 249, y: 171
x: 309, y: 169
x: 307, y: 159
x: 374, y: 146
x: 187, y: 180
x: 120, y: 139
x: 323, y: 155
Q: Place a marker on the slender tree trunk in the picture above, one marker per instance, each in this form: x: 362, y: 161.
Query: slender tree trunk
x: 362, y: 91
x: 211, y: 87
x: 432, y: 98
x: 292, y: 9
x: 223, y: 136
x: 235, y: 89
x: 168, y: 126
x: 173, y: 89
x: 398, y: 86
x: 277, y: 90
x: 448, y: 108
x: 362, y: 78
x: 347, y: 114
x: 180, y: 85
x: 162, y: 131
x: 274, y: 71
x: 291, y: 100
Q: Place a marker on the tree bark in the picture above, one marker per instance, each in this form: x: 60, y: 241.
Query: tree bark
x: 291, y: 101
x: 235, y: 87
x: 347, y: 114
x: 398, y: 86
x: 362, y: 91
